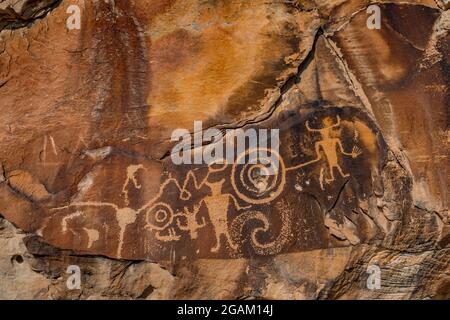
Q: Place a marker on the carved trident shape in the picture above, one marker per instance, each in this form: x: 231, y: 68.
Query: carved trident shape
x: 191, y: 221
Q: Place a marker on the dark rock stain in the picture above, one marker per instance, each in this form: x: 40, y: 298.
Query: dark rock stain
x: 119, y: 73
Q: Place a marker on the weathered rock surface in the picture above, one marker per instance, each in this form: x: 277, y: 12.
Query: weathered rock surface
x: 87, y: 178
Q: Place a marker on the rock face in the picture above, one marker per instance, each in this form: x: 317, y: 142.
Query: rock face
x: 347, y: 100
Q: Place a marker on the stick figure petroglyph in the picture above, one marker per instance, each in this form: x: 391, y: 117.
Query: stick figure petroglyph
x: 131, y: 177
x: 329, y: 145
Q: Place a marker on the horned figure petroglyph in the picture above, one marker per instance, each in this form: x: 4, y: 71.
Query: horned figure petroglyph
x: 328, y: 145
x: 216, y: 204
x: 252, y: 183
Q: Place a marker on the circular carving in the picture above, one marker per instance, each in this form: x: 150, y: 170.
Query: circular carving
x: 159, y: 216
x: 259, y: 182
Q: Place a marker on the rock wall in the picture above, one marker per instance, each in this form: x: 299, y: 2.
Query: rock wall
x: 359, y: 106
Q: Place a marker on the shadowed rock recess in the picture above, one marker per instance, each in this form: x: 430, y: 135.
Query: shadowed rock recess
x: 87, y: 178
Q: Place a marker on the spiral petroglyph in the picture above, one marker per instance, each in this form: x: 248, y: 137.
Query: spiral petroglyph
x: 262, y: 182
x: 263, y: 225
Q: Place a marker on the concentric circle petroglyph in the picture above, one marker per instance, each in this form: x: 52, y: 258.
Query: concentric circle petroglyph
x: 159, y: 216
x: 259, y: 183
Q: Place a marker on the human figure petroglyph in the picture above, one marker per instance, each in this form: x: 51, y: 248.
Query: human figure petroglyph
x: 329, y: 146
x: 191, y: 224
x: 217, y: 204
x: 131, y: 177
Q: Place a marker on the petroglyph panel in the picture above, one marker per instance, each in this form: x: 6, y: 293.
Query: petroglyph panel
x: 358, y: 176
x: 328, y: 157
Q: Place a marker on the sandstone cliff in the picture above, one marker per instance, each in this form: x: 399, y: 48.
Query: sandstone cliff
x: 87, y: 178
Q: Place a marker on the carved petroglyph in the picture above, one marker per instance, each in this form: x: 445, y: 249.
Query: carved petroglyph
x: 66, y: 219
x: 124, y: 217
x: 191, y: 224
x: 159, y: 218
x: 268, y: 248
x: 131, y: 177
x: 48, y: 139
x: 217, y: 205
x: 329, y: 146
x: 254, y: 183
x: 232, y: 207
x: 93, y: 235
